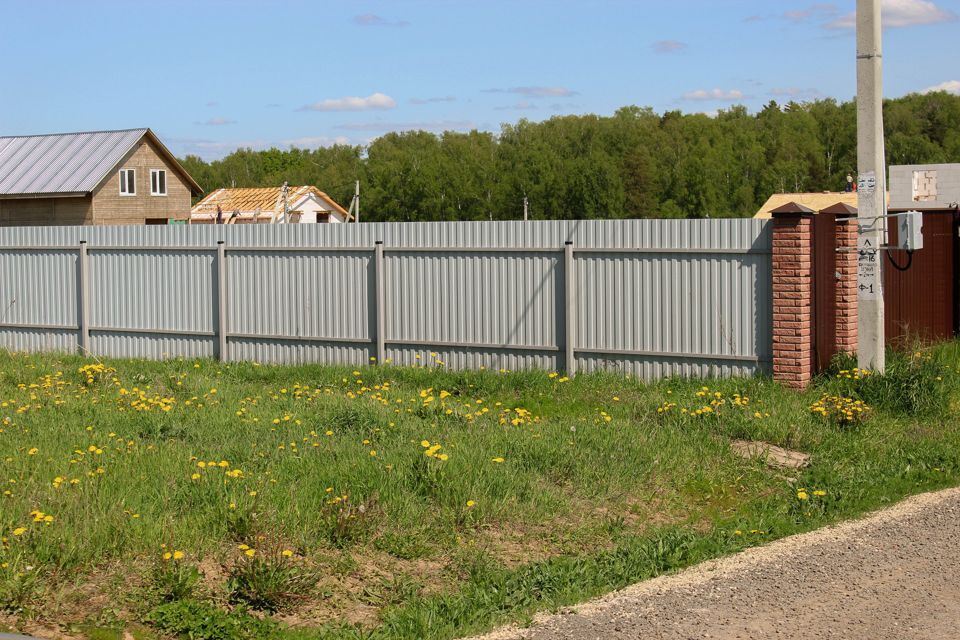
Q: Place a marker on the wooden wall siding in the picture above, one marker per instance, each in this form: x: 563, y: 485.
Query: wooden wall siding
x: 46, y: 212
x: 109, y: 207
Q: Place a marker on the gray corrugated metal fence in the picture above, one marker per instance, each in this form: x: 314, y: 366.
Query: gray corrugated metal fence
x: 648, y: 297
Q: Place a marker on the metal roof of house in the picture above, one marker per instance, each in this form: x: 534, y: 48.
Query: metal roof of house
x: 68, y: 163
x: 261, y: 199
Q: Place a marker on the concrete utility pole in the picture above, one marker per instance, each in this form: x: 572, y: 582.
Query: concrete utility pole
x: 872, y: 186
x: 525, y: 209
x: 356, y: 198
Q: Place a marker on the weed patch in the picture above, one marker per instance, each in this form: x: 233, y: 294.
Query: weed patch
x: 315, y: 495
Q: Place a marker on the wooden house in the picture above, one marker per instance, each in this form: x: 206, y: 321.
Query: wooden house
x: 101, y: 177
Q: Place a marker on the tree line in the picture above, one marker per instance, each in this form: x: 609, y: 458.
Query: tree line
x: 633, y: 164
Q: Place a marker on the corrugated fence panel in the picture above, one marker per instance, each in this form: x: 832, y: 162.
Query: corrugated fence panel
x: 309, y: 294
x: 718, y: 233
x: 38, y: 300
x: 683, y: 297
x: 504, y: 305
x: 673, y: 306
x: 149, y: 303
x: 38, y: 287
x: 141, y: 290
x: 481, y: 298
x: 301, y: 306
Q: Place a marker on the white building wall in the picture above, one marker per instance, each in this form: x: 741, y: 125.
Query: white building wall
x: 904, y: 179
x: 310, y: 206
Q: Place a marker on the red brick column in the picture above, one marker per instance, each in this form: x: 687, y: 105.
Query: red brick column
x: 793, y: 295
x: 846, y: 340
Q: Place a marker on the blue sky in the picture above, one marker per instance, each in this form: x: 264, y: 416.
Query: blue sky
x: 210, y: 76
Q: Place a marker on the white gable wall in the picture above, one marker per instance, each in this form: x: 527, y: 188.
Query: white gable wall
x: 310, y: 206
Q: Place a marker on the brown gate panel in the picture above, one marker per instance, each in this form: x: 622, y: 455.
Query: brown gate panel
x: 824, y: 287
x: 920, y: 302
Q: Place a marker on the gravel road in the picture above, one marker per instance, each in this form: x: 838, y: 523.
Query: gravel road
x: 892, y: 575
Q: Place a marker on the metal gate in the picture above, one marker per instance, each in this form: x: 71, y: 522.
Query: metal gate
x: 921, y: 301
x: 824, y: 289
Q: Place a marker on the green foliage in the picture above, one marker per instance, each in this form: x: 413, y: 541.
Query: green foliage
x: 408, y: 546
x: 203, y: 621
x: 552, y: 490
x: 916, y: 383
x: 269, y: 582
x: 174, y: 580
x: 19, y: 588
x: 394, y: 590
x: 347, y: 521
x: 635, y: 164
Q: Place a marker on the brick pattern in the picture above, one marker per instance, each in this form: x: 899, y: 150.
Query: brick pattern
x: 925, y: 186
x: 846, y: 339
x: 793, y: 299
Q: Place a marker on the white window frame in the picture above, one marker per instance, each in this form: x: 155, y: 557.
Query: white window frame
x: 125, y: 181
x: 157, y: 172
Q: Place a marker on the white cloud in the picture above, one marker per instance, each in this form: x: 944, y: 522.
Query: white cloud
x: 353, y: 103
x: 522, y: 105
x: 950, y: 86
x: 217, y: 121
x: 717, y: 95
x: 312, y: 142
x: 213, y: 149
x: 216, y: 149
x: 432, y: 125
x: 537, y: 92
x: 432, y: 100
x: 669, y: 46
x: 820, y: 10
x: 900, y: 13
x: 795, y: 93
x: 373, y: 20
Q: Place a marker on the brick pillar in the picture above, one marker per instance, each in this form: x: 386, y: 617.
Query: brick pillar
x: 847, y: 284
x: 793, y: 295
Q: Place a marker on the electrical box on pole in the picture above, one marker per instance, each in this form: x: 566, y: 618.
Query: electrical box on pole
x: 910, y: 231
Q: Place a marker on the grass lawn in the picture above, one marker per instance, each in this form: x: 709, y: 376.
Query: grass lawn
x: 246, y: 501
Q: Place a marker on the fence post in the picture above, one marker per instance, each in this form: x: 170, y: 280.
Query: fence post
x: 847, y: 312
x: 380, y: 303
x: 793, y: 328
x: 569, y: 307
x: 83, y: 266
x: 221, y: 264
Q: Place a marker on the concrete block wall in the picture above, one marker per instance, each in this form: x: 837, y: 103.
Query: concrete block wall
x: 901, y: 186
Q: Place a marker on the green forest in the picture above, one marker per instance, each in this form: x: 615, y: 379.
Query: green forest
x: 633, y: 164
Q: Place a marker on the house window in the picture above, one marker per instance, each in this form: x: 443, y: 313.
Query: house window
x: 158, y: 182
x: 128, y: 182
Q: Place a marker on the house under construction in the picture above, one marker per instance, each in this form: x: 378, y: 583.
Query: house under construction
x: 268, y: 205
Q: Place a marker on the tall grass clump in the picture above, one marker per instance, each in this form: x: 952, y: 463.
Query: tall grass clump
x: 916, y: 383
